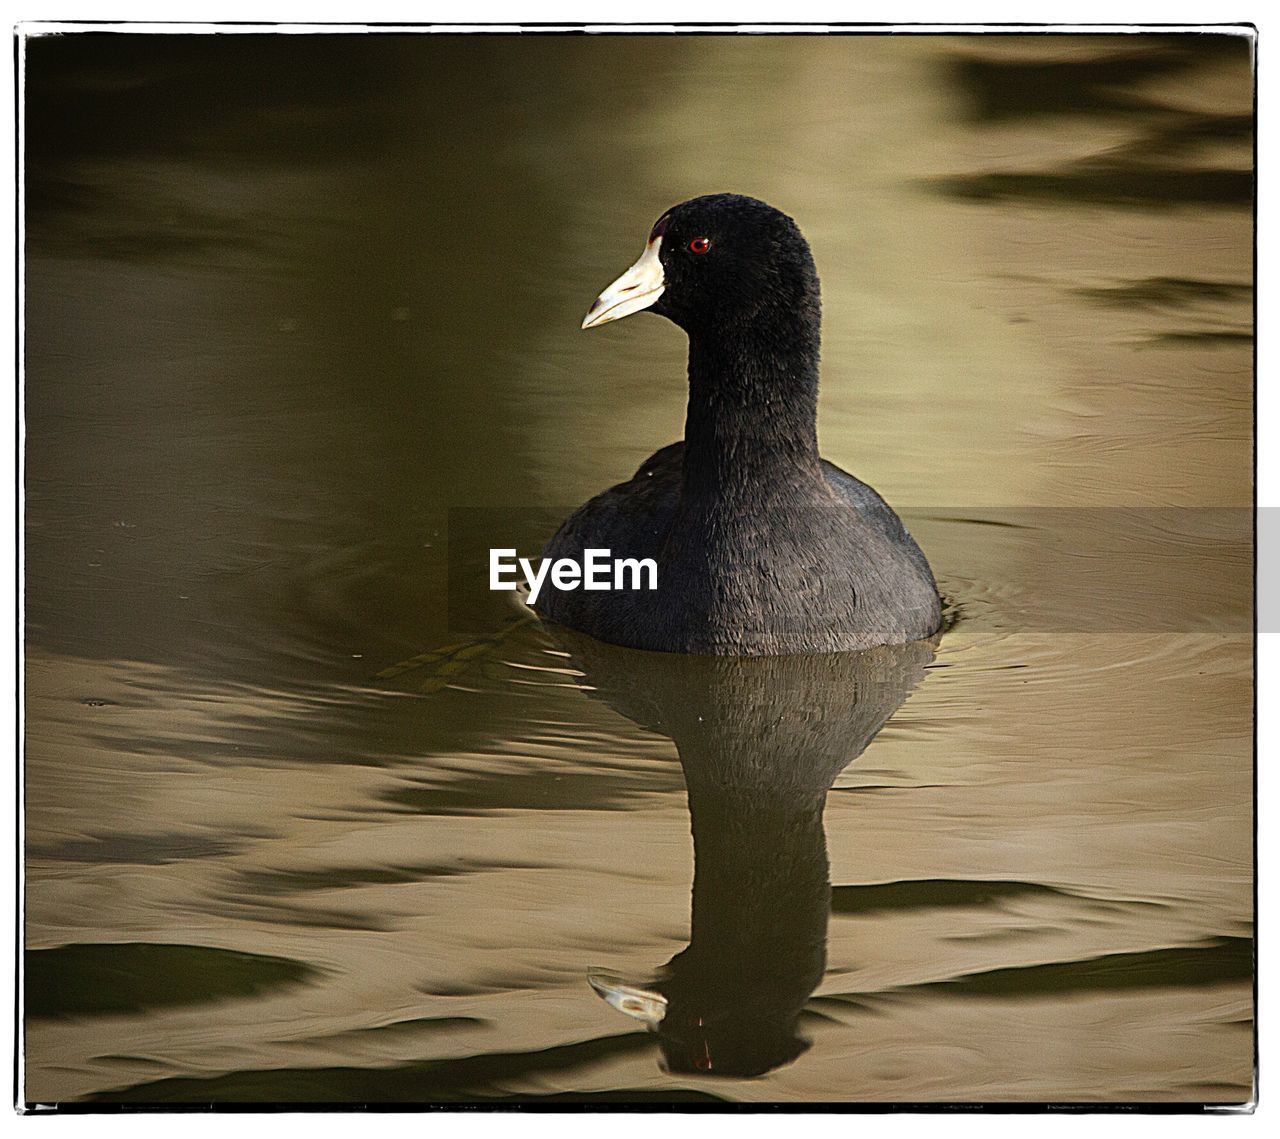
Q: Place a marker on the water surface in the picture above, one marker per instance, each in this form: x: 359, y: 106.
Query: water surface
x: 310, y: 815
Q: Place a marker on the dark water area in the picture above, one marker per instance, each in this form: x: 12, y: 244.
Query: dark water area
x: 311, y: 814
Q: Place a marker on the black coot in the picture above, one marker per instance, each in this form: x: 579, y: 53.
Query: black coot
x: 762, y: 547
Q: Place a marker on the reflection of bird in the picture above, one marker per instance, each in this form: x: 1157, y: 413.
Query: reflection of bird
x: 760, y: 741
x: 761, y: 546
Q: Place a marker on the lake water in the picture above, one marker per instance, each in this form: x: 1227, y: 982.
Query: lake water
x: 311, y: 815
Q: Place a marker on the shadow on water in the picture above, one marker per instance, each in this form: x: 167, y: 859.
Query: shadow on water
x: 110, y: 979
x: 472, y: 1079
x: 1165, y: 292
x: 1125, y: 178
x: 139, y: 850
x: 1206, y: 336
x: 264, y: 881
x: 1225, y: 960
x: 760, y: 742
x: 1000, y: 90
x: 1226, y: 304
x: 933, y: 894
x: 1172, y: 160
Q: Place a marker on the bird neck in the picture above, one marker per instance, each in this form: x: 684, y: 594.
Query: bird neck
x: 751, y: 427
x: 761, y: 894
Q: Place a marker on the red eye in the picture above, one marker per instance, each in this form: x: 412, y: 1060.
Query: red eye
x: 699, y: 245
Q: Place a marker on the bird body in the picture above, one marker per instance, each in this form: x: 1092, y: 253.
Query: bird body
x: 746, y: 583
x: 762, y: 547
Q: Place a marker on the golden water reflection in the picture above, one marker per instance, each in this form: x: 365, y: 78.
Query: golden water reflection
x: 290, y: 302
